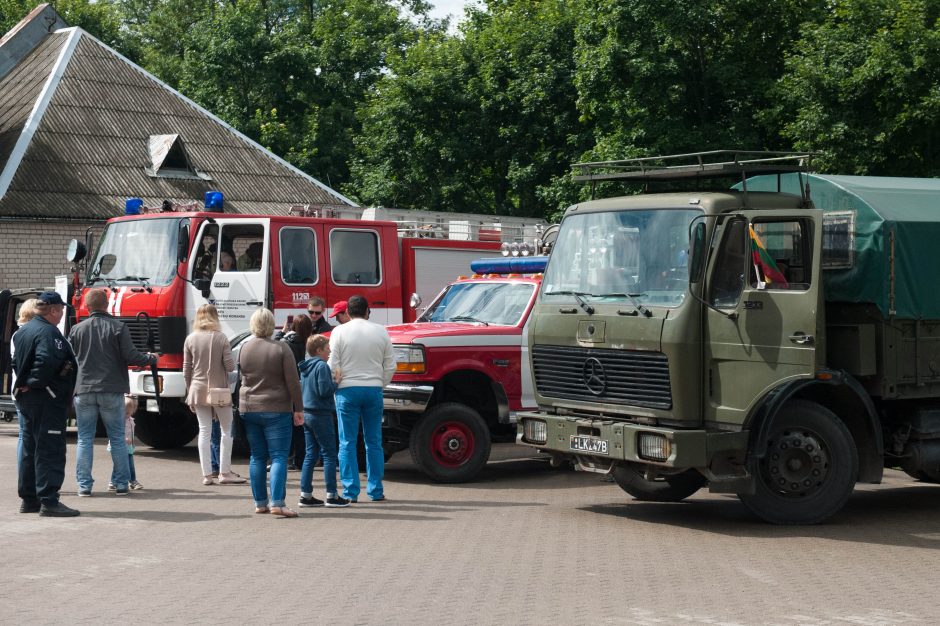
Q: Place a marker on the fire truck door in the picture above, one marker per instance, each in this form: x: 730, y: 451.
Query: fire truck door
x: 239, y: 268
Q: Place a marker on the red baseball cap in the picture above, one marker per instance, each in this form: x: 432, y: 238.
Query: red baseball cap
x: 339, y: 307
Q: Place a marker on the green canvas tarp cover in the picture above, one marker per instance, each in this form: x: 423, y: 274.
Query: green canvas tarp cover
x: 866, y: 213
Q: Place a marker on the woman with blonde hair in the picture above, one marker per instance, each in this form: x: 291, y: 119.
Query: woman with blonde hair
x: 207, y: 361
x: 270, y: 403
x: 27, y: 312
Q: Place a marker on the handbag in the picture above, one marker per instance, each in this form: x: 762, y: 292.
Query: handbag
x: 218, y: 396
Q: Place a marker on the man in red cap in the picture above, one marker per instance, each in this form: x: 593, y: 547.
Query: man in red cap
x: 339, y: 312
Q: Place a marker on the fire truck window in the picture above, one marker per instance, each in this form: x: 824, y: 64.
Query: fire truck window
x: 298, y: 256
x: 728, y: 278
x: 246, y: 243
x: 206, y: 253
x: 778, y: 256
x: 354, y: 257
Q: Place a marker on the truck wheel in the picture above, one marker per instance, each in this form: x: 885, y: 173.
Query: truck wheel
x: 809, y: 470
x: 173, y: 427
x: 451, y: 443
x: 674, y: 488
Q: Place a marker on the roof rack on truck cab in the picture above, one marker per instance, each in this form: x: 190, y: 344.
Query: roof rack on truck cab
x: 712, y: 164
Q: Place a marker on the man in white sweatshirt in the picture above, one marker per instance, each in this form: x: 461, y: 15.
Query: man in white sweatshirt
x: 361, y: 356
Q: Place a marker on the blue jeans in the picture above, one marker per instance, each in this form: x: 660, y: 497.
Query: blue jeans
x: 132, y: 473
x: 214, y: 442
x: 110, y: 406
x: 355, y: 405
x: 321, y: 441
x: 269, y: 437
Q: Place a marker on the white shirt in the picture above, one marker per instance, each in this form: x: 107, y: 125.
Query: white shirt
x: 362, y: 350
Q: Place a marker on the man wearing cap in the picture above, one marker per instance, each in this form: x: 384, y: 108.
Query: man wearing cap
x: 362, y: 352
x: 45, y: 378
x: 340, y: 312
x: 104, y: 350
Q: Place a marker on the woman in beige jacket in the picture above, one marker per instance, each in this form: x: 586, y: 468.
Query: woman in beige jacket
x: 207, y: 361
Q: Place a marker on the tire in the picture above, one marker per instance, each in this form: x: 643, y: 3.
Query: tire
x: 451, y: 443
x: 809, y: 470
x: 173, y: 427
x: 674, y: 488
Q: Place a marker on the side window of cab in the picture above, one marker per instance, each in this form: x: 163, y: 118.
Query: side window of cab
x: 779, y: 254
x: 730, y: 266
x: 298, y: 248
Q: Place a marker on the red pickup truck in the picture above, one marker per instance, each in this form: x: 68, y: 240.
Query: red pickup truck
x: 463, y: 370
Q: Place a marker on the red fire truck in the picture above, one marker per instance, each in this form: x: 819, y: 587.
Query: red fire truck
x: 160, y: 265
x: 463, y: 370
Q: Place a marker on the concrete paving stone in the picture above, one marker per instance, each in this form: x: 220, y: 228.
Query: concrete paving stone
x: 524, y: 544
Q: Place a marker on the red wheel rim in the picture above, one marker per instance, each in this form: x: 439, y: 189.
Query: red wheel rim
x: 452, y: 444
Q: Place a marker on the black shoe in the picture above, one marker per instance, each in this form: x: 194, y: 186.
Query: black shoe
x: 122, y: 491
x: 57, y: 509
x: 380, y: 499
x: 336, y: 500
x: 30, y: 506
x: 309, y: 502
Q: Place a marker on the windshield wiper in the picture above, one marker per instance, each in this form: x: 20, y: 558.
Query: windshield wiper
x: 467, y: 318
x: 141, y: 279
x: 578, y: 295
x: 632, y: 297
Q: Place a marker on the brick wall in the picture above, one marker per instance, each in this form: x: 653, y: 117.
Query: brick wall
x: 33, y: 252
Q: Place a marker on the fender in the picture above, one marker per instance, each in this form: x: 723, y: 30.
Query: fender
x: 843, y: 395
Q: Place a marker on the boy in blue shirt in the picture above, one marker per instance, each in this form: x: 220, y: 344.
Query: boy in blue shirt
x: 318, y: 385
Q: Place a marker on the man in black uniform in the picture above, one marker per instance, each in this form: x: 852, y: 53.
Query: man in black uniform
x: 45, y: 378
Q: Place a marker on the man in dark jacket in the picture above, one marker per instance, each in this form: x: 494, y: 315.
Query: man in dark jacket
x: 316, y: 309
x: 45, y: 378
x: 104, y: 350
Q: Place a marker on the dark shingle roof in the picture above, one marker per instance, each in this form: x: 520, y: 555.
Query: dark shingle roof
x: 88, y: 149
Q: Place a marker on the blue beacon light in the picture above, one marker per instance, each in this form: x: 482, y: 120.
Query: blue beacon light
x: 214, y: 201
x: 510, y: 265
x: 132, y: 206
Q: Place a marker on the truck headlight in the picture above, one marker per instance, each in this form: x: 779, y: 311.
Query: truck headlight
x: 409, y: 359
x: 150, y: 387
x: 654, y: 447
x: 534, y: 431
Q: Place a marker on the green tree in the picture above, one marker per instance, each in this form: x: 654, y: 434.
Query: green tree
x: 863, y: 88
x: 480, y: 122
x: 102, y: 19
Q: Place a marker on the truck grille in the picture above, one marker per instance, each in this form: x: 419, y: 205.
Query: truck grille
x: 600, y: 375
x: 138, y: 328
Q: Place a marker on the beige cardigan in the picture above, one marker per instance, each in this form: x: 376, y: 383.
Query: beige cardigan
x: 270, y: 382
x: 198, y: 371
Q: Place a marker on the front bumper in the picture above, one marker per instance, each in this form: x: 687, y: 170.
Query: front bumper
x: 405, y: 397
x: 174, y: 385
x: 687, y: 448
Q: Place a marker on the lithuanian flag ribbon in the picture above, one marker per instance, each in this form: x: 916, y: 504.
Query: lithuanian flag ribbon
x: 764, y: 264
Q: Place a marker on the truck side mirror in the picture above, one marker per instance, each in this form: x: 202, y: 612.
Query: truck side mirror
x: 203, y: 284
x: 182, y: 244
x: 697, y: 258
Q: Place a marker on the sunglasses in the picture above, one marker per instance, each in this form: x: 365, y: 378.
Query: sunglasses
x: 314, y: 312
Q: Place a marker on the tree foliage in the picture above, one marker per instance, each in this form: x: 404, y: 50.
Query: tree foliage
x: 375, y: 98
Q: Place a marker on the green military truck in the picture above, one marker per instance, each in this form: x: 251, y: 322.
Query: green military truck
x: 779, y: 340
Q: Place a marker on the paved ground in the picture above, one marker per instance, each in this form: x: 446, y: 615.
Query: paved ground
x: 524, y: 545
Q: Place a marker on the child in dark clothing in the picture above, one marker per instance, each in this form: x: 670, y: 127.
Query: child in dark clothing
x: 318, y: 385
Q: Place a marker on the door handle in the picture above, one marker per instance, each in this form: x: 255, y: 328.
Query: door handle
x: 254, y: 302
x: 802, y: 338
x: 382, y: 302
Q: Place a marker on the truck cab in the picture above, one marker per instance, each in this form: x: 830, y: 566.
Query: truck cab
x: 463, y: 370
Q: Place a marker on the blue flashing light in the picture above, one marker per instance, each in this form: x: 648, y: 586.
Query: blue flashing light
x: 214, y: 201
x: 510, y: 265
x: 132, y: 206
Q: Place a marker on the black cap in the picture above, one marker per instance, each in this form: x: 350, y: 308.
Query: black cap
x: 51, y: 297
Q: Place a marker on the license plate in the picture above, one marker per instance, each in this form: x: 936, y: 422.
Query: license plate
x: 583, y: 443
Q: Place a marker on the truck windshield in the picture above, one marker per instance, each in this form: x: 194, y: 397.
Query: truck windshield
x: 490, y: 303
x: 136, y: 252
x: 637, y: 256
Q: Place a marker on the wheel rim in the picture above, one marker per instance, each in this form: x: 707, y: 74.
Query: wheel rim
x: 452, y: 444
x: 797, y: 463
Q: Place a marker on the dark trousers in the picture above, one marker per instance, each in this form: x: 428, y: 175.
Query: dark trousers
x: 42, y: 456
x: 298, y: 446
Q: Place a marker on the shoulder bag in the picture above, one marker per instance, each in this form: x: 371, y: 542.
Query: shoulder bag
x: 218, y: 396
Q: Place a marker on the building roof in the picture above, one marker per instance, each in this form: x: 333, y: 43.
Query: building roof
x: 82, y: 128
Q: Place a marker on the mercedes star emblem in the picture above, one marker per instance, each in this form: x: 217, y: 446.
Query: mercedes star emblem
x: 595, y: 379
